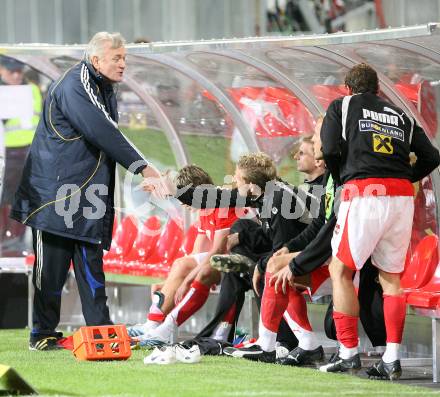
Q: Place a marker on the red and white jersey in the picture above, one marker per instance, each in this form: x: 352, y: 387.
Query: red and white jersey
x: 217, y: 219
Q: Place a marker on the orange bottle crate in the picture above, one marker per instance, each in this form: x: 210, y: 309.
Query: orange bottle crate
x: 109, y: 342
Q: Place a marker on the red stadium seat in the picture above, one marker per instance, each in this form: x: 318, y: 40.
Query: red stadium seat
x: 189, y: 240
x: 128, y: 235
x: 143, y: 247
x: 168, y: 244
x: 162, y: 268
x: 428, y: 296
x: 123, y: 237
x: 146, y: 240
x: 421, y: 266
x: 122, y: 244
x: 167, y: 249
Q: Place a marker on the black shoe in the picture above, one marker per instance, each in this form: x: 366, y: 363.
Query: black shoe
x: 299, y: 357
x: 254, y: 353
x: 351, y: 365
x: 334, y: 357
x: 45, y: 342
x: 382, y: 370
x: 231, y: 263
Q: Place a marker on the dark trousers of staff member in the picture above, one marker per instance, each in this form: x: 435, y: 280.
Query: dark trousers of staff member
x: 53, y: 256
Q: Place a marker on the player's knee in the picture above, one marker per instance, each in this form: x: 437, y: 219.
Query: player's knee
x: 277, y: 263
x: 181, y: 267
x: 208, y: 276
x: 271, y: 265
x: 390, y: 283
x: 204, y: 275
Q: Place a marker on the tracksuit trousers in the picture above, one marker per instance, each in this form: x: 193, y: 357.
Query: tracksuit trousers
x: 53, y: 257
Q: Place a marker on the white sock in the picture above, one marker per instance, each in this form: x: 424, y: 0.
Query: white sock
x: 306, y: 339
x: 391, y: 353
x: 266, y: 338
x: 166, y: 330
x: 221, y: 332
x: 149, y: 325
x: 348, y: 352
x: 152, y: 324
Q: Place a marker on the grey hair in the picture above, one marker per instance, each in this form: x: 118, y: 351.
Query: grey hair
x: 96, y: 44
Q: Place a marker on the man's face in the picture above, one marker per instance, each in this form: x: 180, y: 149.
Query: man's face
x: 111, y: 64
x: 244, y: 187
x: 12, y: 77
x: 239, y: 178
x: 305, y: 160
x: 316, y: 139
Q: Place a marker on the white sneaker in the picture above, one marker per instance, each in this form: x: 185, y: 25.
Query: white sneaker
x: 172, y: 354
x: 161, y: 356
x: 188, y: 356
x: 142, y: 329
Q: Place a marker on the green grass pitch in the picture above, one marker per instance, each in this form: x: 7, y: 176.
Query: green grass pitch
x: 60, y: 374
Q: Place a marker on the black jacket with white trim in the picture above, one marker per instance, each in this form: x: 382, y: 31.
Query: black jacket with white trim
x: 68, y: 180
x: 364, y: 136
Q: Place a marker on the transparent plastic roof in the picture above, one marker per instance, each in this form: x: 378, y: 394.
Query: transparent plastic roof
x: 264, y: 89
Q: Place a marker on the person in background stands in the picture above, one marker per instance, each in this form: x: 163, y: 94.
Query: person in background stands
x: 18, y: 137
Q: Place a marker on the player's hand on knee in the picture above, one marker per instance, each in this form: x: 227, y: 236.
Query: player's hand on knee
x: 282, y: 280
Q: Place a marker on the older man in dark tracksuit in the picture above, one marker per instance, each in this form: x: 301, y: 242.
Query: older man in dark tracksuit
x: 67, y: 187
